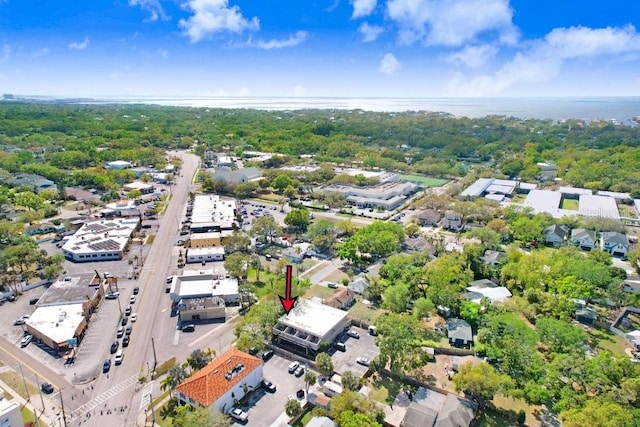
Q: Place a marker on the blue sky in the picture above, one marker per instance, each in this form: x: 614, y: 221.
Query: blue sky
x: 353, y: 48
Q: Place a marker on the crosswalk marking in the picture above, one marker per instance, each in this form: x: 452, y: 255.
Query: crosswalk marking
x: 100, y: 399
x: 146, y: 396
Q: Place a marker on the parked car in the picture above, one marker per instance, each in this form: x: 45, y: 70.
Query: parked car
x: 267, y: 355
x: 128, y: 331
x: 106, y: 366
x: 188, y: 328
x: 362, y: 361
x: 125, y: 341
x: 293, y: 366
x: 299, y: 372
x: 34, y: 301
x: 112, y: 295
x: 47, y: 388
x: 124, y: 320
x: 136, y: 290
x: 239, y: 415
x: 26, y: 340
x: 114, y: 346
x: 21, y: 320
x: 340, y: 346
x: 268, y: 386
x: 134, y: 317
x: 120, y: 332
x: 132, y: 300
x: 127, y: 311
x: 332, y: 285
x: 353, y: 334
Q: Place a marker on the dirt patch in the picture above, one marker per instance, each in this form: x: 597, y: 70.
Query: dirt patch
x: 436, y: 373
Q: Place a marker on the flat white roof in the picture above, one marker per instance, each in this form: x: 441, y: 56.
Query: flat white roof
x: 58, y: 322
x: 137, y: 185
x: 313, y: 317
x: 197, y: 285
x: 211, y: 235
x: 211, y: 209
x: 544, y: 201
x: 500, y: 189
x: 210, y: 250
x: 614, y: 194
x: 354, y: 172
x: 598, y: 206
x: 477, y: 188
x: 499, y: 293
x: 573, y: 190
x: 102, y: 236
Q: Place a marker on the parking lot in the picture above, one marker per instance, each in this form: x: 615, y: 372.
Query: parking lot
x: 364, y: 346
x: 265, y: 408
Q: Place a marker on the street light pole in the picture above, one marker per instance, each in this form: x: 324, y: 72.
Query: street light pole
x: 64, y: 417
x: 25, y: 383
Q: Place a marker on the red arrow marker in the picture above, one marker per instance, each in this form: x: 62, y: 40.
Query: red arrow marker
x: 286, y: 301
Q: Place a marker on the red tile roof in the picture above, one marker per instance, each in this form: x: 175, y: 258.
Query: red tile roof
x: 209, y: 383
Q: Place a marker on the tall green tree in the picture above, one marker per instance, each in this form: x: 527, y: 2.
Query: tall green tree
x: 481, y: 381
x: 266, y: 229
x: 398, y: 334
x: 324, y: 364
x: 298, y: 220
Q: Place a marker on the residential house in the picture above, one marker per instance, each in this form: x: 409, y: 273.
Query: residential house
x: 428, y: 217
x: 43, y: 228
x: 34, y: 182
x: 583, y: 238
x: 485, y: 288
x: 586, y: 315
x: 343, y: 298
x: 452, y: 221
x: 555, y: 235
x: 223, y: 382
x: 493, y: 258
x: 321, y: 422
x: 634, y: 339
x: 430, y: 408
x: 459, y: 332
x: 617, y: 244
x: 320, y: 400
x: 416, y: 244
x: 359, y: 285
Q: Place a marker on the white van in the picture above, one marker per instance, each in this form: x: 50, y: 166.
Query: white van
x: 119, y: 357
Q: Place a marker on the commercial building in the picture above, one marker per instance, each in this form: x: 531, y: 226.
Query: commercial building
x: 495, y: 189
x: 388, y: 195
x: 60, y: 327
x: 206, y: 254
x: 212, y: 213
x: 598, y: 206
x: 212, y: 238
x: 309, y: 324
x: 200, y: 309
x: 222, y: 383
x: 142, y: 187
x: 103, y: 240
x: 86, y: 289
x: 546, y: 201
x: 118, y: 164
x: 204, y: 284
x: 125, y: 208
x: 223, y: 160
x: 237, y: 176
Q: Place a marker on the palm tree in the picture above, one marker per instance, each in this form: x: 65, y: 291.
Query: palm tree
x: 309, y: 379
x: 197, y: 360
x: 175, y: 376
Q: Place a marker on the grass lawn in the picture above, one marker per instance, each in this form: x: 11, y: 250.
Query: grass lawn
x: 506, y: 410
x: 384, y: 389
x: 570, y: 204
x: 425, y: 181
x: 606, y: 340
x: 318, y: 291
x: 27, y: 416
x: 305, y: 419
x: 366, y: 313
x: 519, y: 198
x: 14, y: 381
x: 628, y: 211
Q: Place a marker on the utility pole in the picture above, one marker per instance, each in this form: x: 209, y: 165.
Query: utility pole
x: 40, y: 391
x: 155, y: 359
x: 64, y: 417
x: 25, y: 383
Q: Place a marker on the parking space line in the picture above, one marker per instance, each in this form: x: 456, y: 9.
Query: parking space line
x: 176, y: 337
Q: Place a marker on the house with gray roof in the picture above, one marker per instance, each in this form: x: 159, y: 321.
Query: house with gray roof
x: 583, y: 238
x: 237, y: 176
x: 359, y: 285
x: 459, y: 332
x: 430, y: 408
x: 493, y: 258
x: 617, y: 244
x: 32, y: 181
x: 555, y: 235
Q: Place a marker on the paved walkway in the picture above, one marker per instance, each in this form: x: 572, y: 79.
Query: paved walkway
x: 23, y: 402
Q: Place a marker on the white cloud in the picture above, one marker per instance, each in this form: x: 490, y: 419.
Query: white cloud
x: 473, y: 56
x: 362, y: 8
x: 388, y: 64
x: 214, y: 16
x: 544, y: 58
x: 41, y: 52
x: 244, y: 92
x: 291, y: 41
x: 153, y: 7
x: 370, y: 33
x: 162, y: 53
x: 80, y: 45
x: 451, y: 22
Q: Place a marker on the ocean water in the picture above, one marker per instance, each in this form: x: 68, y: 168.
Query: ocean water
x: 617, y: 109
